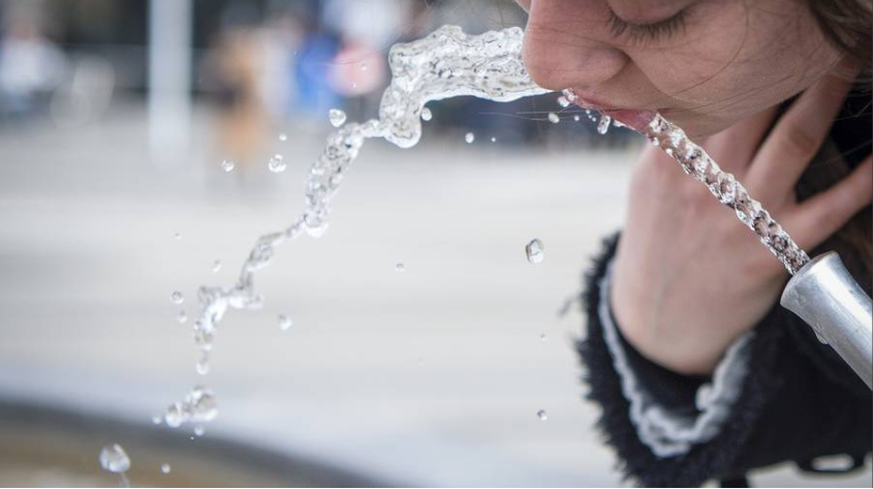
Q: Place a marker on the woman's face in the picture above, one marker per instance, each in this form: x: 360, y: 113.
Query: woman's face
x: 704, y: 64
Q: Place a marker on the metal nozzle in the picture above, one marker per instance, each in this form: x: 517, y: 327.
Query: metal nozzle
x: 825, y: 296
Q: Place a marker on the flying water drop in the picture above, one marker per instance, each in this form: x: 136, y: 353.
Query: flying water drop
x: 199, y: 430
x: 182, y: 317
x: 337, y: 118
x: 228, y: 166
x: 166, y: 468
x: 216, y: 266
x: 177, y: 298
x: 554, y: 118
x: 400, y: 268
x: 535, y: 252
x: 604, y: 124
x: 563, y: 102
x: 283, y: 137
x: 114, y: 459
x: 426, y: 114
x: 543, y: 415
x: 202, y: 367
x: 285, y: 323
x: 277, y: 164
x: 470, y: 138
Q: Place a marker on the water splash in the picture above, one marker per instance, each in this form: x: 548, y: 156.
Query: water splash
x: 445, y: 64
x: 199, y: 406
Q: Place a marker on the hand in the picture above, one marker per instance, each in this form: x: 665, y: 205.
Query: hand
x: 689, y: 278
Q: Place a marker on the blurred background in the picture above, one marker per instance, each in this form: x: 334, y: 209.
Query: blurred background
x: 135, y: 137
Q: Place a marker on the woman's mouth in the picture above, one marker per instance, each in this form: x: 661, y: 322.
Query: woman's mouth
x: 636, y: 119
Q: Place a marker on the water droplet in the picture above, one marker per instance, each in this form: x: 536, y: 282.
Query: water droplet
x: 178, y: 236
x: 202, y: 367
x: 535, y: 252
x: 114, y: 459
x: 543, y: 337
x: 228, y: 166
x: 470, y: 138
x: 283, y: 137
x: 199, y: 430
x: 285, y: 323
x: 166, y: 468
x: 493, y: 139
x: 400, y: 268
x: 365, y: 67
x: 182, y: 317
x: 199, y: 406
x: 554, y: 118
x: 604, y: 125
x: 216, y: 266
x: 563, y: 101
x: 177, y: 298
x: 337, y: 117
x: 577, y: 118
x: 426, y: 114
x: 156, y: 420
x: 543, y: 415
x: 277, y: 164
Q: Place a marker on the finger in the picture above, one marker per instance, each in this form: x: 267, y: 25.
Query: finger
x: 824, y: 214
x: 798, y: 136
x: 735, y: 147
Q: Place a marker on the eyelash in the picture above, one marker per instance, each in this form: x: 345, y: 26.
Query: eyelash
x: 641, y: 33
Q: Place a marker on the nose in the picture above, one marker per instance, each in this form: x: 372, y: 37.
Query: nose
x: 565, y: 46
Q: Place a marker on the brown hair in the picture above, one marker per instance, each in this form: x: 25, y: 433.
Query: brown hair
x: 846, y: 24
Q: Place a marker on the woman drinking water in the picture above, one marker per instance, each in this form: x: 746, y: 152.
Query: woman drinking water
x: 700, y: 373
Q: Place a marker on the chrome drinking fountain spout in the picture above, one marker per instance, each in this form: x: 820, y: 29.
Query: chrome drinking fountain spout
x: 825, y: 295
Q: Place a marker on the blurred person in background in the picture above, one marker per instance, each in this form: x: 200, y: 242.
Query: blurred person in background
x: 31, y: 66
x: 234, y: 73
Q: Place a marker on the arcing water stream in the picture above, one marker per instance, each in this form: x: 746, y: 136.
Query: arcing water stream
x: 445, y: 64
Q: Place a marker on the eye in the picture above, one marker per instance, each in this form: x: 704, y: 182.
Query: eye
x: 642, y: 33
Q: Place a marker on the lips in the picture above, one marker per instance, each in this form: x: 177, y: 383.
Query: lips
x: 636, y: 119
